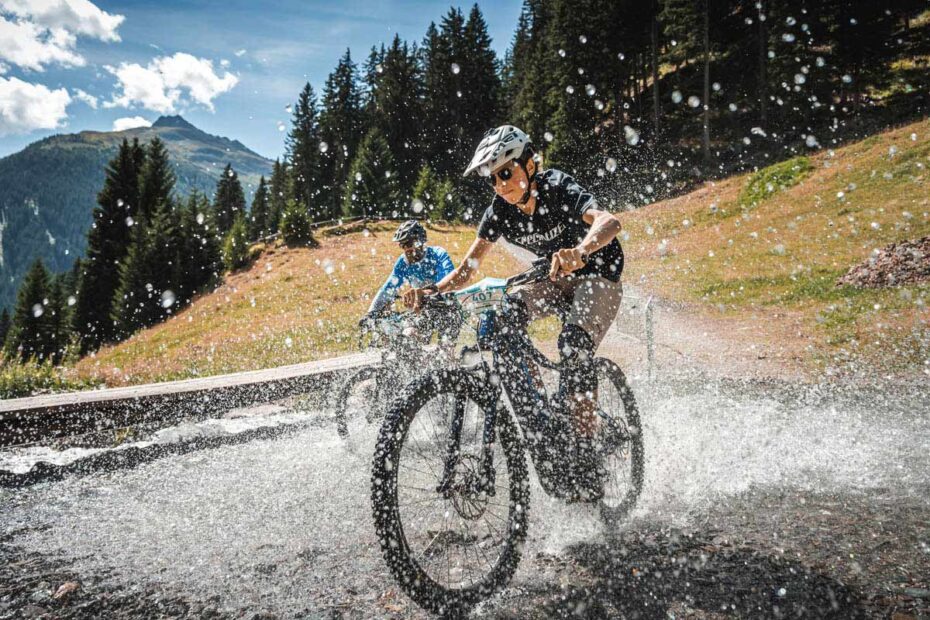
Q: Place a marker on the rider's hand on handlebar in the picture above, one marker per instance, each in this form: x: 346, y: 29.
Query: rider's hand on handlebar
x: 413, y: 298
x: 566, y: 261
x: 367, y: 321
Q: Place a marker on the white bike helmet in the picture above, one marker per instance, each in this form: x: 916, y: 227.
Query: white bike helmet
x: 496, y: 148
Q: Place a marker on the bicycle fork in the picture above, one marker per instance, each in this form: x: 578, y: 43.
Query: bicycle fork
x: 483, y: 481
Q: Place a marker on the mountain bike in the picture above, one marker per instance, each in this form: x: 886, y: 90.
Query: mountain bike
x: 450, y: 490
x: 371, y: 388
x: 401, y: 338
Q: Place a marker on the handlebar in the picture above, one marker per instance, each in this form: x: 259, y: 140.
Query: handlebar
x: 538, y: 271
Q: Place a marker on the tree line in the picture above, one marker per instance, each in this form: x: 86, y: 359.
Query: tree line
x: 637, y: 99
x: 149, y: 252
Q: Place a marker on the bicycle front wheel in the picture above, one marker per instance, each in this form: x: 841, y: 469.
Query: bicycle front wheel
x: 450, y: 531
x: 363, y: 392
x: 620, y: 442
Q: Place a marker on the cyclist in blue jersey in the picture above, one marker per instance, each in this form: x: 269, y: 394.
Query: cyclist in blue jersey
x: 419, y: 266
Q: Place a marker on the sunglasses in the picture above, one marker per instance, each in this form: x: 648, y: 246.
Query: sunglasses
x: 406, y: 245
x: 504, y: 175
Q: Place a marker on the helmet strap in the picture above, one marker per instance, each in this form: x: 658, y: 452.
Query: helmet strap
x: 529, y: 184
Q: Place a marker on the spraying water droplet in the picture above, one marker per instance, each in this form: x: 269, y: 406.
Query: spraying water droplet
x: 456, y: 68
x: 548, y: 136
x: 694, y: 101
x: 611, y: 164
x: 37, y: 310
x: 590, y: 90
x: 167, y: 299
x: 676, y: 96
x: 630, y: 135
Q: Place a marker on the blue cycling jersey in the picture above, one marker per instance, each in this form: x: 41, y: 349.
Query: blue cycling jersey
x: 433, y: 267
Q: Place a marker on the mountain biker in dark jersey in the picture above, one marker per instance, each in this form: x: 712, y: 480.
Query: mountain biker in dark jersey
x: 549, y: 214
x: 420, y: 265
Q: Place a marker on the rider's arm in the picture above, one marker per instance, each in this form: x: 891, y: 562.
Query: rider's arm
x: 461, y: 275
x: 388, y: 291
x: 604, y: 228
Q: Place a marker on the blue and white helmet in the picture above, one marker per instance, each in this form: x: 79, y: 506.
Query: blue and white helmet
x: 497, y: 147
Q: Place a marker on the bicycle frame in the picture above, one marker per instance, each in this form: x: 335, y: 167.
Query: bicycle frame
x: 515, y: 363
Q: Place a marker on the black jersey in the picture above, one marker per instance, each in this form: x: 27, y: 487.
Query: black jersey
x: 555, y: 224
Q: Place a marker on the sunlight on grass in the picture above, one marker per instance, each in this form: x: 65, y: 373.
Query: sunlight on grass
x: 786, y: 253
x: 289, y: 306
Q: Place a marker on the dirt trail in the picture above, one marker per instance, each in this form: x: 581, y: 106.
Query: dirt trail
x: 688, y: 337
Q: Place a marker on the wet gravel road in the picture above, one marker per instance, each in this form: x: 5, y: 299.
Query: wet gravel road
x: 760, y: 500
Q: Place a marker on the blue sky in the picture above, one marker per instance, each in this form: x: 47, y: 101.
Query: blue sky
x: 246, y: 60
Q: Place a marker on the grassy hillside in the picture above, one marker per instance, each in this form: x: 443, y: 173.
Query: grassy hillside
x: 290, y: 306
x: 771, y: 245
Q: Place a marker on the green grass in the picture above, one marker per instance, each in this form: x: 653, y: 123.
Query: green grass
x: 18, y: 380
x: 775, y: 178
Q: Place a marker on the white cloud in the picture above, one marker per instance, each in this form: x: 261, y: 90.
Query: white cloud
x: 130, y: 122
x: 32, y: 47
x: 86, y: 97
x: 160, y: 86
x: 240, y: 53
x: 25, y: 107
x: 36, y: 33
x: 77, y: 16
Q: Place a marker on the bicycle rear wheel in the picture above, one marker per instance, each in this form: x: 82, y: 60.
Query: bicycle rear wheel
x: 620, y: 442
x: 448, y: 549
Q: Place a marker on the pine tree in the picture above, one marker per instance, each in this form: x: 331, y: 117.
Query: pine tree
x: 30, y: 330
x: 157, y: 179
x: 397, y: 107
x: 149, y: 275
x: 341, y: 121
x: 201, y: 251
x: 424, y: 193
x: 480, y: 78
x: 373, y: 189
x: 229, y: 200
x: 236, y: 245
x: 107, y: 243
x: 279, y: 195
x: 259, y: 224
x: 303, y: 153
x: 448, y: 206
x: 295, y: 225
x: 59, y: 329
x: 4, y: 327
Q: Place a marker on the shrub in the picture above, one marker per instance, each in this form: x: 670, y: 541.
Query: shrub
x: 31, y: 377
x: 236, y: 245
x: 295, y: 225
x: 774, y: 178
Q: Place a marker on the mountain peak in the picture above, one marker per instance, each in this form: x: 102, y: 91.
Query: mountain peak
x: 172, y: 121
